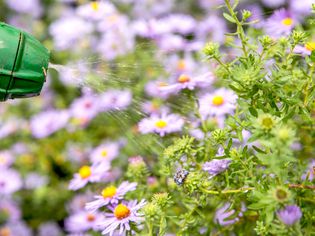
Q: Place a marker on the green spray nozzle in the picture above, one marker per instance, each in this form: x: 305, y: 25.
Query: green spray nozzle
x: 23, y: 64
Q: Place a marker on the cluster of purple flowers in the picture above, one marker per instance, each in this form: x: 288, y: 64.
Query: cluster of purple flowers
x: 99, y: 29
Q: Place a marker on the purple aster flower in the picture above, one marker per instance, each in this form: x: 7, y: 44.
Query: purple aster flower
x: 153, y: 107
x: 171, y: 43
x: 68, y: 31
x: 110, y: 195
x: 48, y: 122
x: 185, y: 81
x: 88, y: 174
x: 216, y: 166
x: 310, y: 173
x: 121, y: 216
x: 16, y: 228
x: 180, y: 23
x: 212, y: 28
x: 115, y: 100
x: 290, y: 214
x: 151, y: 8
x: 78, y: 202
x: 105, y: 152
x: 208, y: 4
x: 10, y: 181
x: 83, y: 221
x: 10, y: 209
x: 218, y: 103
x: 305, y: 50
x: 281, y: 23
x: 96, y: 10
x: 32, y: 7
x: 49, y: 229
x: 153, y: 89
x: 273, y: 3
x: 85, y: 108
x: 180, y: 65
x: 222, y: 215
x: 6, y: 159
x: 301, y: 8
x: 162, y: 124
x: 34, y: 180
x: 152, y: 28
x: 116, y: 42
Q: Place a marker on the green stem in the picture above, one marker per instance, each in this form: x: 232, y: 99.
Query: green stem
x: 240, y: 30
x: 227, y: 191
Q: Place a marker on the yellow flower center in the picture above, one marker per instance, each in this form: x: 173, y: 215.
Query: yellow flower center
x: 109, y: 192
x: 104, y: 153
x: 217, y: 100
x: 2, y: 160
x: 287, y: 21
x: 85, y: 172
x: 162, y: 84
x: 90, y: 217
x: 310, y: 46
x: 161, y: 124
x: 5, y: 231
x: 267, y: 123
x: 121, y: 212
x: 113, y: 18
x: 181, y: 65
x: 183, y: 79
x: 95, y: 5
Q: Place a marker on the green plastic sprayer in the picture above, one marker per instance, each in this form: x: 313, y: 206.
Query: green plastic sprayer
x: 23, y: 64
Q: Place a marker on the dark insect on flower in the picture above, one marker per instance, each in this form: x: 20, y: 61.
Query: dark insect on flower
x: 180, y: 176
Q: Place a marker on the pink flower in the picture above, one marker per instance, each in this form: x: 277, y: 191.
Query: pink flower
x: 280, y: 23
x: 105, y: 152
x: 153, y: 89
x: 121, y: 216
x: 162, y: 124
x: 88, y: 174
x: 6, y: 159
x: 110, y: 195
x: 10, y: 181
x: 218, y: 103
x: 185, y: 81
x: 222, y: 215
x: 47, y: 123
x: 85, y: 108
x: 82, y: 221
x: 115, y: 100
x: 305, y: 50
x: 68, y: 31
x: 96, y: 10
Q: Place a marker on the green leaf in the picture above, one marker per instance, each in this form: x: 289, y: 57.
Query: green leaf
x: 312, y: 56
x: 228, y: 17
x: 253, y: 111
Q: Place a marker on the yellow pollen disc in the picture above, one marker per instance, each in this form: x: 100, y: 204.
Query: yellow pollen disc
x: 217, y: 100
x: 183, y: 79
x: 95, y: 5
x: 109, y: 192
x: 90, y: 217
x: 310, y: 46
x: 113, y: 18
x: 5, y: 231
x: 287, y: 21
x: 161, y: 124
x: 85, y: 172
x: 121, y: 212
x: 2, y: 160
x: 104, y: 153
x: 181, y: 65
x: 162, y: 84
